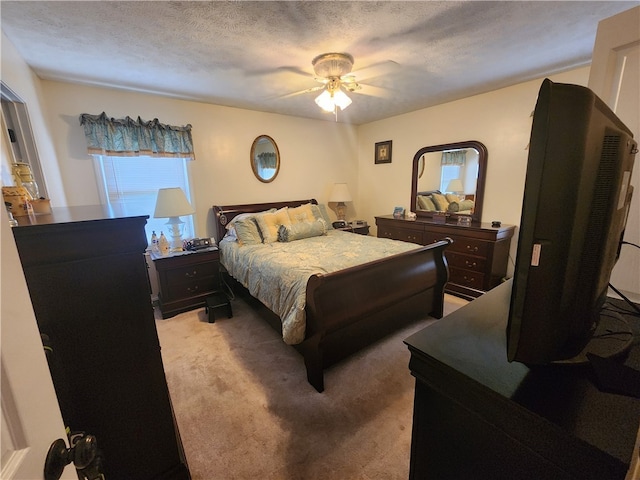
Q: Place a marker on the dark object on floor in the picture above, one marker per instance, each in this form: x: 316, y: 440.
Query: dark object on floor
x: 615, y: 377
x: 217, y: 300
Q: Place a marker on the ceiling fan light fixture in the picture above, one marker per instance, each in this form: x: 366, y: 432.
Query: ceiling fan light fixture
x: 341, y: 99
x: 325, y: 101
x: 328, y: 101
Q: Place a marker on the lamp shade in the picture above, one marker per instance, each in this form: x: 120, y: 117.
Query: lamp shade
x: 172, y: 202
x: 340, y: 193
x: 455, y: 186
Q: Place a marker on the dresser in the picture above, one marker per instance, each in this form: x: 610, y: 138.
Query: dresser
x: 88, y: 283
x: 477, y: 416
x: 478, y: 257
x: 186, y: 279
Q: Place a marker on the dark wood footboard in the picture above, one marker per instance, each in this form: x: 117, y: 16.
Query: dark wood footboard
x: 352, y: 308
x: 366, y: 302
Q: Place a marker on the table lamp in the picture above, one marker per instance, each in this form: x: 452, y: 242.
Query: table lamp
x: 340, y: 194
x: 172, y: 203
x: 455, y: 186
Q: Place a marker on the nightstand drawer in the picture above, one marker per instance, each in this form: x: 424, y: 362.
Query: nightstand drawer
x: 468, y: 278
x: 191, y: 272
x: 466, y: 262
x: 190, y: 288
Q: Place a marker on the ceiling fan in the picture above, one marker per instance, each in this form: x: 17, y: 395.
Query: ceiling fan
x: 333, y: 71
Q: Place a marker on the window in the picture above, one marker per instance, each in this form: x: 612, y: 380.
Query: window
x: 130, y: 185
x: 449, y: 172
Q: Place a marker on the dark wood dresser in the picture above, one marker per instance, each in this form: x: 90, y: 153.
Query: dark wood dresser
x: 477, y: 259
x: 88, y: 283
x: 480, y: 417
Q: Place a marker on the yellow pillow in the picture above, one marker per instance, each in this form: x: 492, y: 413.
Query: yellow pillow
x: 441, y: 202
x: 302, y: 214
x: 270, y: 222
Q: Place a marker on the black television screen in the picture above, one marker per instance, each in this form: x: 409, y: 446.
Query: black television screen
x: 576, y: 202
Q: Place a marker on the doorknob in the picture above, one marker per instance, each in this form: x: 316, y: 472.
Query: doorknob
x: 82, y: 453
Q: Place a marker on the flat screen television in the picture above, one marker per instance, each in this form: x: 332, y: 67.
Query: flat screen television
x: 575, y: 207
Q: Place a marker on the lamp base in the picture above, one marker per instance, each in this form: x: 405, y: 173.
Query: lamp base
x: 341, y: 210
x: 176, y: 227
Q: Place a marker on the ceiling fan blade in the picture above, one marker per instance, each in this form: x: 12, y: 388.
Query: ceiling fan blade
x: 301, y: 92
x: 370, y: 90
x: 277, y: 70
x: 375, y: 69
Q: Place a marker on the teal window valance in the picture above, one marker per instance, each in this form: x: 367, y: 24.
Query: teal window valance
x: 454, y: 157
x: 267, y: 160
x: 126, y: 137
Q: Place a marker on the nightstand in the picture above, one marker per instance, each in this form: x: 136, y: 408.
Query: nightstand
x: 361, y: 229
x: 186, y: 279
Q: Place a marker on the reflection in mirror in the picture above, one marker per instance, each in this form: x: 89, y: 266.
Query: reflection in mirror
x: 449, y: 178
x: 265, y: 158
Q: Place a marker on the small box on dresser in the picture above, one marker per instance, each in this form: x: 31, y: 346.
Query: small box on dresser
x: 477, y: 259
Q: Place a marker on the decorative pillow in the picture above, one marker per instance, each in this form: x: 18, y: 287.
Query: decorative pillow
x: 452, y: 197
x: 303, y: 213
x: 425, y: 203
x: 298, y: 231
x: 466, y: 205
x: 247, y: 231
x: 270, y: 222
x: 454, y: 207
x: 242, y: 216
x: 440, y: 202
x: 320, y: 213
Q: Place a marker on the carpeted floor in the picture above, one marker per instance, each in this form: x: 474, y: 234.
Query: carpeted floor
x: 245, y: 410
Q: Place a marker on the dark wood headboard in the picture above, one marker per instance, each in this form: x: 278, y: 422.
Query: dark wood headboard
x: 225, y: 213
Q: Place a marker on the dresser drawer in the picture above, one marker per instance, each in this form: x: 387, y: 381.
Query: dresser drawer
x: 191, y: 272
x: 466, y: 262
x: 466, y: 245
x: 468, y: 278
x: 404, y: 234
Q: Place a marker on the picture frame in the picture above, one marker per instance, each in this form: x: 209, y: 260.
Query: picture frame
x: 383, y: 152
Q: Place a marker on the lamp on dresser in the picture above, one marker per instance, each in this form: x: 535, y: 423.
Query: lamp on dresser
x: 455, y: 186
x: 172, y: 203
x: 340, y: 194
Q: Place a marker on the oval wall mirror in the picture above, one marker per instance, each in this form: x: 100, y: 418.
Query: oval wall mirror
x: 449, y: 178
x: 265, y: 158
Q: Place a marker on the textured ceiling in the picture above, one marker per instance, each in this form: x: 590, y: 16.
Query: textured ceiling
x: 408, y: 55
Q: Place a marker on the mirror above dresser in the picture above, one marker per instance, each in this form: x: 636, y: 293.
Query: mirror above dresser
x: 449, y: 179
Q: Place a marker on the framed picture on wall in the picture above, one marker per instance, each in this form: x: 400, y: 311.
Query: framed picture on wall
x: 383, y: 152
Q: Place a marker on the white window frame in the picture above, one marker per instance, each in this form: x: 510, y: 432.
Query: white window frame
x: 153, y: 224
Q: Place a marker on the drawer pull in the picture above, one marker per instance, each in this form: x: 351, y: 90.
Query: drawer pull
x: 472, y: 249
x: 471, y: 264
x: 192, y: 274
x: 194, y: 289
x: 472, y: 279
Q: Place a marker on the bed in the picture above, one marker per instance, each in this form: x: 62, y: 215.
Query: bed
x: 343, y: 310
